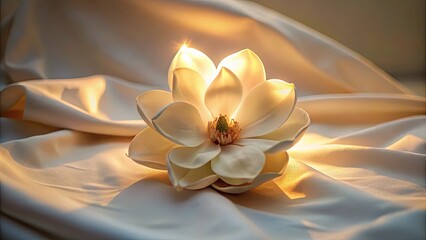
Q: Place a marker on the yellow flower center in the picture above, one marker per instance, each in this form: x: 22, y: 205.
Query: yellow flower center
x: 223, y: 131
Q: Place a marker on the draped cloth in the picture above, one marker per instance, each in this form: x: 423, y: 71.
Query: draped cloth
x: 71, y: 71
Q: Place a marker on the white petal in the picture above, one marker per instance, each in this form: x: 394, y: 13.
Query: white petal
x: 191, y: 178
x: 224, y: 94
x: 181, y: 123
x: 247, y: 66
x: 291, y: 131
x: 263, y: 144
x: 193, y: 59
x: 150, y: 149
x: 189, y: 87
x: 151, y: 102
x: 283, y: 138
x: 242, y: 164
x: 266, y: 107
x: 194, y: 157
x: 274, y: 166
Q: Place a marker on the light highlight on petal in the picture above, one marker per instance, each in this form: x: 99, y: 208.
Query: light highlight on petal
x: 266, y: 107
x: 193, y: 59
x: 224, y: 94
x: 189, y: 87
x: 247, y: 66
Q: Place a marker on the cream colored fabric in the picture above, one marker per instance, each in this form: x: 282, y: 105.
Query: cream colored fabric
x: 358, y: 173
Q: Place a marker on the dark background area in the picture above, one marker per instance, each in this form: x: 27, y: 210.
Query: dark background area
x: 390, y: 33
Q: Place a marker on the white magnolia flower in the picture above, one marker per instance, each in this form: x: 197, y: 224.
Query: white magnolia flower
x: 227, y: 126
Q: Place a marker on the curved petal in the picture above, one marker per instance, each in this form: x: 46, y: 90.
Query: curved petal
x: 193, y: 59
x: 150, y: 149
x: 274, y: 167
x: 266, y: 107
x: 151, y: 102
x: 191, y: 178
x: 181, y: 123
x: 247, y: 66
x: 224, y: 94
x: 298, y: 120
x: 237, y: 164
x: 189, y: 87
x: 263, y: 144
x: 194, y: 157
x: 284, y: 137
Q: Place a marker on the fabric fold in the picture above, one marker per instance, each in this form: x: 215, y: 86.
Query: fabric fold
x: 96, y: 104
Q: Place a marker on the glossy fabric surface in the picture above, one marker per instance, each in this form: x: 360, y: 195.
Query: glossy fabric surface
x: 71, y: 72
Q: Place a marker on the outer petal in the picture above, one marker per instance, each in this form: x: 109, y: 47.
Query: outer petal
x: 189, y: 87
x: 193, y: 59
x: 247, y: 66
x: 266, y: 107
x: 237, y: 164
x: 274, y: 166
x: 181, y: 123
x: 284, y: 137
x: 224, y: 94
x: 151, y: 102
x: 191, y: 178
x: 150, y: 149
x: 188, y: 157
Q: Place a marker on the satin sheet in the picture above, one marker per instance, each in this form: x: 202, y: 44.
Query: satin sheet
x: 358, y: 173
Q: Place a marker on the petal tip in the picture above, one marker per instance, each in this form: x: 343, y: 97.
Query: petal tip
x: 248, y: 51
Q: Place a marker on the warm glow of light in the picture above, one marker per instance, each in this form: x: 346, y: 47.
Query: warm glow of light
x: 281, y: 91
x: 192, y: 57
x: 310, y: 140
x: 184, y: 51
x: 184, y: 47
x: 295, y: 174
x: 285, y: 91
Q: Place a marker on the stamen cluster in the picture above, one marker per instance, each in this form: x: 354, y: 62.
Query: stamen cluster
x: 223, y: 131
